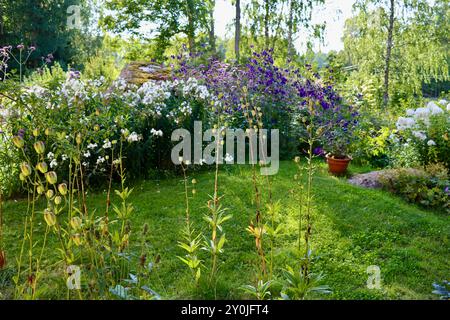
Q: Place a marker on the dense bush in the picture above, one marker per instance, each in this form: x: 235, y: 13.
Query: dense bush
x: 429, y: 188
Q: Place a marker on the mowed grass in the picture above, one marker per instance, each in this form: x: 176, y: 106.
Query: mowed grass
x: 353, y: 228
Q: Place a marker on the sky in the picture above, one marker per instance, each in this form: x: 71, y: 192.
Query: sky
x: 334, y: 13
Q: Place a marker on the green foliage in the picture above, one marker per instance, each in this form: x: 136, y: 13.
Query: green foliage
x: 428, y: 188
x: 419, y: 55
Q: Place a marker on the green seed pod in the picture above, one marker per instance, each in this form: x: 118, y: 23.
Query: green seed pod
x: 62, y: 188
x: 75, y: 223
x: 42, y: 167
x: 76, y: 238
x: 40, y: 189
x: 51, y: 177
x: 39, y: 147
x: 18, y: 142
x: 49, y: 217
x: 25, y: 169
x: 78, y: 139
x: 49, y: 194
x: 58, y: 200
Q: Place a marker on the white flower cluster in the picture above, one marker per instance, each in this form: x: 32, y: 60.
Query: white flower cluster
x: 154, y: 95
x: 418, y: 120
x: 134, y: 137
x: 156, y: 133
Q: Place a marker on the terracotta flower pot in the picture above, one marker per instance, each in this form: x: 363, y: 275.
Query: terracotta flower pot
x: 337, y: 166
x: 2, y: 259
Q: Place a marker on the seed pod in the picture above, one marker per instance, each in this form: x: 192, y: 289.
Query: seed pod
x: 297, y: 159
x: 25, y: 169
x: 35, y: 132
x: 48, y: 131
x: 22, y: 177
x: 42, y: 167
x: 78, y: 139
x: 194, y: 181
x: 51, y: 177
x: 62, y: 188
x: 49, y: 194
x: 76, y: 239
x: 49, y: 217
x: 40, y: 189
x: 18, y: 141
x: 75, y: 223
x: 39, y: 147
x: 58, y: 200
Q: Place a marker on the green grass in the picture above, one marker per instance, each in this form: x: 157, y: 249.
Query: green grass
x: 353, y: 228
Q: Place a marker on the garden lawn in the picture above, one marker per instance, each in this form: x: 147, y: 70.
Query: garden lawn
x: 353, y: 228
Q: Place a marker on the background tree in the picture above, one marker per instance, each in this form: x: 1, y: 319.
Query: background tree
x: 43, y: 24
x: 166, y: 17
x: 418, y: 49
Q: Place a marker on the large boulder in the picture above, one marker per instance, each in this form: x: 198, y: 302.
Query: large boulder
x: 139, y: 72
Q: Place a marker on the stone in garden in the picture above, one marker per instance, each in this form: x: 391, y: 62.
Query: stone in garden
x: 373, y: 180
x: 139, y: 72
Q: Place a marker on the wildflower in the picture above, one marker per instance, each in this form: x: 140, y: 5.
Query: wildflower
x: 35, y: 132
x: 100, y: 160
x: 87, y: 154
x: 49, y: 217
x: 133, y: 137
x: 431, y: 143
x: 39, y: 147
x: 51, y: 177
x: 419, y: 135
x: 297, y: 159
x: 92, y: 146
x: 62, y: 188
x: 50, y: 155
x: 106, y: 144
x: 20, y: 47
x: 194, y: 181
x: 42, y: 167
x: 53, y: 164
x: 228, y: 158
x: 434, y: 108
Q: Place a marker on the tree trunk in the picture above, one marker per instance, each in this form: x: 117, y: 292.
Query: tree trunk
x: 290, y: 30
x: 237, y: 33
x: 266, y: 23
x: 212, y: 35
x: 191, y: 26
x: 388, y: 54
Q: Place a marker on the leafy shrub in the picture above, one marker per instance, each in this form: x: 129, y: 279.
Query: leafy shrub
x: 429, y: 187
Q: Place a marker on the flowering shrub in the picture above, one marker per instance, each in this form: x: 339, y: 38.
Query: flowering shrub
x: 101, y: 113
x: 428, y: 130
x: 278, y: 96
